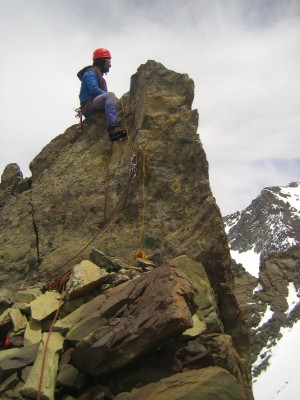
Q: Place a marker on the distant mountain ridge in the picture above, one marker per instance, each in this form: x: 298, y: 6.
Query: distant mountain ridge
x: 270, y: 224
x: 264, y: 243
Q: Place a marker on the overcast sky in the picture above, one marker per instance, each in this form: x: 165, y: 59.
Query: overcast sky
x: 243, y: 55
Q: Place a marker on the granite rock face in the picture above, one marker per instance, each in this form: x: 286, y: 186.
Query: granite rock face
x: 147, y: 194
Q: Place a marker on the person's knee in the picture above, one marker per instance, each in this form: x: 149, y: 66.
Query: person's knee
x: 111, y: 97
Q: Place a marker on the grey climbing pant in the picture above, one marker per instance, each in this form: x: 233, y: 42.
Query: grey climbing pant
x: 108, y: 103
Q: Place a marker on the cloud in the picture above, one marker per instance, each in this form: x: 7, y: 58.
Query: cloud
x: 243, y: 56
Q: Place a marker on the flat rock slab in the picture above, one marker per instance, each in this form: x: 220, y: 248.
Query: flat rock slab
x: 18, y: 320
x: 85, y: 277
x: 12, y: 360
x: 31, y: 386
x: 33, y: 332
x: 44, y: 305
x: 27, y: 295
x: 203, y: 384
x: 113, y: 329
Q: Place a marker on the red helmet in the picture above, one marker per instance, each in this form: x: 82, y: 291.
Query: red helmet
x: 101, y: 53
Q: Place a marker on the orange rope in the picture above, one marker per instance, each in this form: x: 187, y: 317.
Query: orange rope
x: 47, y: 343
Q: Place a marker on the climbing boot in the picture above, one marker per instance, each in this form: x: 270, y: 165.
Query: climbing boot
x: 115, y: 133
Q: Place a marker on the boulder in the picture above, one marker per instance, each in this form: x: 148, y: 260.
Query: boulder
x: 110, y: 264
x: 27, y: 295
x: 11, y: 176
x: 85, y: 277
x: 49, y: 372
x: 225, y: 356
x: 115, y: 328
x: 5, y: 320
x: 7, y: 297
x: 18, y: 320
x: 33, y: 332
x: 207, y: 310
x: 10, y: 382
x: 12, y: 321
x: 207, y: 383
x: 23, y: 307
x: 143, y: 263
x: 45, y: 305
x: 67, y: 376
x: 12, y: 360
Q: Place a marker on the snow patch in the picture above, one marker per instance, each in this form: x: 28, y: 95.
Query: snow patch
x: 249, y: 259
x: 268, y: 314
x: 292, y: 298
x: 290, y: 195
x: 281, y: 379
x: 258, y: 288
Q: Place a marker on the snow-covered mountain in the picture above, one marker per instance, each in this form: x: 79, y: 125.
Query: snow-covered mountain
x: 265, y: 239
x: 270, y: 224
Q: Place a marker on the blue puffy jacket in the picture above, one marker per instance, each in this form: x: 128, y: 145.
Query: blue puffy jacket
x: 90, y: 86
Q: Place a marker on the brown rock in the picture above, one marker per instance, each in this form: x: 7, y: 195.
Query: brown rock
x: 85, y: 277
x: 31, y: 386
x: 11, y: 176
x: 225, y: 356
x: 115, y: 328
x: 207, y: 383
x: 68, y: 190
x: 33, y: 332
x: 44, y: 305
x: 71, y: 198
x: 207, y: 310
x: 10, y: 382
x: 12, y: 360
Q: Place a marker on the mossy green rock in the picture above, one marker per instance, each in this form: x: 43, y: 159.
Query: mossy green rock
x: 205, y: 384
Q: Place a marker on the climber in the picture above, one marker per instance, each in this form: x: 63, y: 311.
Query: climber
x: 94, y: 96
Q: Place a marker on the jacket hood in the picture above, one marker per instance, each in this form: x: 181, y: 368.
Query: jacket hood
x: 82, y: 71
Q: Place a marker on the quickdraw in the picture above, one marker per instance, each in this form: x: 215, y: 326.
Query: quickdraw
x: 133, y: 166
x: 78, y: 114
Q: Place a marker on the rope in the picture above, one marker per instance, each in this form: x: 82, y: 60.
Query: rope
x: 39, y: 392
x: 36, y: 232
x: 142, y: 230
x: 132, y: 174
x: 116, y: 209
x: 124, y: 117
x: 107, y: 181
x: 140, y: 253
